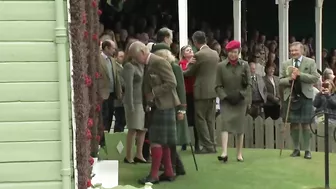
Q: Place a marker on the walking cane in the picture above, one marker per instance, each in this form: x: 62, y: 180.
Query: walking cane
x: 193, y: 154
x: 286, y: 118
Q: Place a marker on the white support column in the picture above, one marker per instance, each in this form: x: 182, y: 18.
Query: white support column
x: 281, y: 32
x: 183, y: 22
x: 237, y: 20
x: 286, y: 29
x: 318, y: 33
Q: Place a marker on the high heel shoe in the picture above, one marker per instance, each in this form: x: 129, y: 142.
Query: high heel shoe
x: 138, y: 160
x: 240, y: 160
x: 224, y: 159
x: 128, y: 162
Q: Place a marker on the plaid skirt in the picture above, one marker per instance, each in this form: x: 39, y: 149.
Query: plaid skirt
x: 162, y: 129
x: 301, y: 111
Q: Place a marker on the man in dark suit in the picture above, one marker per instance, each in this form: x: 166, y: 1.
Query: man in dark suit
x: 259, y: 93
x: 161, y: 97
x: 204, y: 67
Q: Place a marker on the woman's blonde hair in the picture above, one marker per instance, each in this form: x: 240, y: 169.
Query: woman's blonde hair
x: 166, y: 54
x: 182, y: 51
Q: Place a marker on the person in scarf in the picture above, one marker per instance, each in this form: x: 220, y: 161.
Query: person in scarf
x: 233, y: 87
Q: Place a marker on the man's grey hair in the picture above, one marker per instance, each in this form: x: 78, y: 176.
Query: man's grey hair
x: 326, y: 73
x: 296, y: 44
x: 137, y: 47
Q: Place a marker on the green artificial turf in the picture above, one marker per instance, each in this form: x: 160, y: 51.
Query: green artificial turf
x: 262, y: 169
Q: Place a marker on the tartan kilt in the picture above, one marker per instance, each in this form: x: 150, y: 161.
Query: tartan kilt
x: 162, y: 128
x: 301, y: 111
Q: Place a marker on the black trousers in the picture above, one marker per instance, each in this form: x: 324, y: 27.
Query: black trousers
x: 107, y: 113
x: 272, y: 111
x: 120, y: 120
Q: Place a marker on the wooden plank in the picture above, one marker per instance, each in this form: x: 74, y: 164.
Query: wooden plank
x: 28, y: 71
x: 29, y: 92
x: 30, y: 131
x: 29, y: 11
x: 288, y: 138
x: 29, y: 111
x: 269, y: 133
x: 30, y: 151
x: 28, y: 52
x: 249, y: 140
x: 313, y: 139
x: 320, y: 140
x: 30, y: 171
x: 37, y: 31
x: 259, y: 132
x: 32, y: 185
x: 278, y: 136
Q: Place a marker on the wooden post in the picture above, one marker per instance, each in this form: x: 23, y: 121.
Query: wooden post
x: 318, y: 33
x: 183, y: 22
x: 237, y: 20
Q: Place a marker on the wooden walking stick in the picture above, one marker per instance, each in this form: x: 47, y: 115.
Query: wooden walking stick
x: 283, y: 130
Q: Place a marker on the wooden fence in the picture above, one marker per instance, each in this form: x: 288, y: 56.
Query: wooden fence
x: 266, y: 134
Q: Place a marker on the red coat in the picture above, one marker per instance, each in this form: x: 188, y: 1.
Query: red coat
x: 188, y: 81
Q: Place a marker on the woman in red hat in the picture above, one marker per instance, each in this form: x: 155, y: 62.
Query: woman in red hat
x: 233, y: 88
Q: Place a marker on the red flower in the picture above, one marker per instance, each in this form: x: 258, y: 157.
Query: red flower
x: 94, y: 3
x: 90, y: 122
x: 84, y: 20
x: 88, y: 134
x: 88, y: 80
x: 98, y: 138
x: 100, y: 12
x: 86, y: 34
x: 88, y: 183
x: 97, y: 75
x: 91, y: 160
x: 95, y: 37
x: 98, y: 108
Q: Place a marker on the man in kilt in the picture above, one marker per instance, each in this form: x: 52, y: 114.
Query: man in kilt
x: 160, y: 92
x: 302, y: 71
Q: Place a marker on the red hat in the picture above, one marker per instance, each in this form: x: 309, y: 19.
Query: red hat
x: 232, y: 45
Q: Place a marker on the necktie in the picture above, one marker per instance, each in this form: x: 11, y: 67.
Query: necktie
x: 297, y: 63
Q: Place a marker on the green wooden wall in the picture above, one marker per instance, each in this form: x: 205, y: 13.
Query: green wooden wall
x: 30, y: 137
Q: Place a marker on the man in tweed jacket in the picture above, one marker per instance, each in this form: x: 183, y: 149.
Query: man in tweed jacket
x: 302, y: 71
x: 160, y: 92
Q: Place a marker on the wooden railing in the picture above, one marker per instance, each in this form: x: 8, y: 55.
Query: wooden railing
x: 266, y: 134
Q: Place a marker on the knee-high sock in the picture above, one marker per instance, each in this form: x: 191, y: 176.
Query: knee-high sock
x: 306, y: 134
x: 173, y: 154
x: 168, y: 170
x: 156, y: 160
x: 295, y: 134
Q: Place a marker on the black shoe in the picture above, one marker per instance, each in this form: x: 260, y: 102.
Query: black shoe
x: 143, y: 181
x: 240, y: 160
x: 296, y: 153
x: 163, y: 178
x: 138, y: 160
x: 307, y: 155
x: 129, y: 162
x: 224, y: 159
x: 184, y: 147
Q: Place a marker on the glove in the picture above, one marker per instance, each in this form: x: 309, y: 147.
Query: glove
x: 234, y: 97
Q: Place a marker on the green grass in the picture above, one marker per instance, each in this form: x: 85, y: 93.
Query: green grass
x: 262, y: 169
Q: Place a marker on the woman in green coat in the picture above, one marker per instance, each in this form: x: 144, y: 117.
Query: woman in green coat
x: 182, y: 130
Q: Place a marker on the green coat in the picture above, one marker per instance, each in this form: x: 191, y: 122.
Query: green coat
x: 182, y: 129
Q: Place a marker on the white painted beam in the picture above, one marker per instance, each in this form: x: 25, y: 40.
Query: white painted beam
x: 318, y: 33
x: 281, y: 32
x: 183, y: 22
x: 237, y: 20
